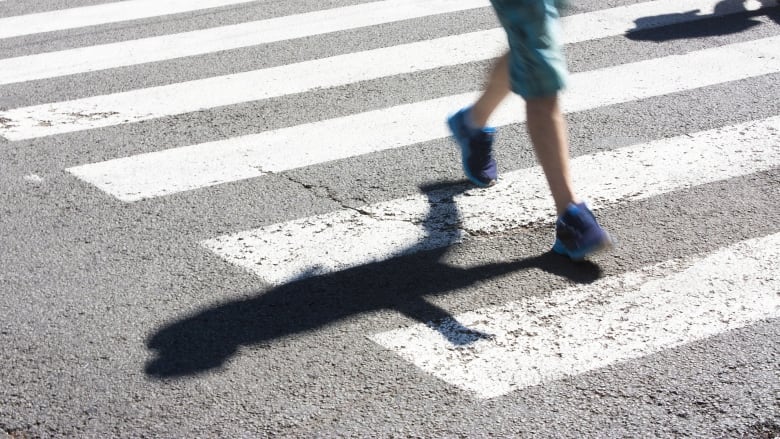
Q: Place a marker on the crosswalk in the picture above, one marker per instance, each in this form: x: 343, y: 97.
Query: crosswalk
x: 692, y: 298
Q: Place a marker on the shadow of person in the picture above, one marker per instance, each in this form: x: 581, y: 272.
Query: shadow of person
x: 729, y: 17
x: 207, y: 339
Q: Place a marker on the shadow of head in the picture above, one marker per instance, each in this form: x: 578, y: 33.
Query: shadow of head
x: 207, y: 339
x: 728, y: 17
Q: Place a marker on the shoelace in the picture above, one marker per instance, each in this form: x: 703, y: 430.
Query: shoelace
x: 481, y: 144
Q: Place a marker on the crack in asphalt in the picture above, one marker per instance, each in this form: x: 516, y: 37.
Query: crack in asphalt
x: 327, y: 194
x: 443, y: 222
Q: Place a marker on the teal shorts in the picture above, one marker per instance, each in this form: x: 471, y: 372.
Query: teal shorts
x: 537, y: 66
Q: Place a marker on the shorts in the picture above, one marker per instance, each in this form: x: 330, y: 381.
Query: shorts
x: 537, y: 66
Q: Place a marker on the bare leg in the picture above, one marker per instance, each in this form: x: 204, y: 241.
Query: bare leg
x: 496, y: 90
x: 547, y: 129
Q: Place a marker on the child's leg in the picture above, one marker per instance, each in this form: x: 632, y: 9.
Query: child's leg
x: 537, y: 72
x: 546, y: 127
x: 496, y: 90
x: 577, y: 233
x: 547, y: 130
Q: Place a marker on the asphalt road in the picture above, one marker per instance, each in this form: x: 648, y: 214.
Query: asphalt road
x: 117, y: 320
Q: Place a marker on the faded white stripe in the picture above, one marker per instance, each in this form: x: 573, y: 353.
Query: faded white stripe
x: 195, y: 166
x: 581, y: 27
x: 126, y: 53
x: 343, y: 239
x: 101, y: 14
x: 615, y: 319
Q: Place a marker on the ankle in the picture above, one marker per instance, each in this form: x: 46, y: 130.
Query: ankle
x: 476, y: 119
x: 561, y: 206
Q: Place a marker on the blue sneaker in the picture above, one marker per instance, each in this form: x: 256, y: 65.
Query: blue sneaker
x: 476, y: 149
x: 577, y: 234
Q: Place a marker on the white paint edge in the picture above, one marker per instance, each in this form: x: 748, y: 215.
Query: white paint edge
x: 155, y: 102
x: 195, y: 166
x: 106, y: 13
x: 344, y: 239
x: 580, y: 27
x: 147, y: 50
x: 616, y: 319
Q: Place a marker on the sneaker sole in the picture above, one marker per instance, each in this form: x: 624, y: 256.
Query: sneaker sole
x: 581, y: 254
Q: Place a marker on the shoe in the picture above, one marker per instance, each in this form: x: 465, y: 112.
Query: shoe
x: 577, y: 234
x: 476, y: 149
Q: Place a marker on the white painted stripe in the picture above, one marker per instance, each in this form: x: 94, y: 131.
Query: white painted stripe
x: 569, y: 332
x: 191, y: 167
x: 581, y: 27
x: 343, y: 239
x: 126, y: 53
x: 101, y: 14
x: 155, y: 102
